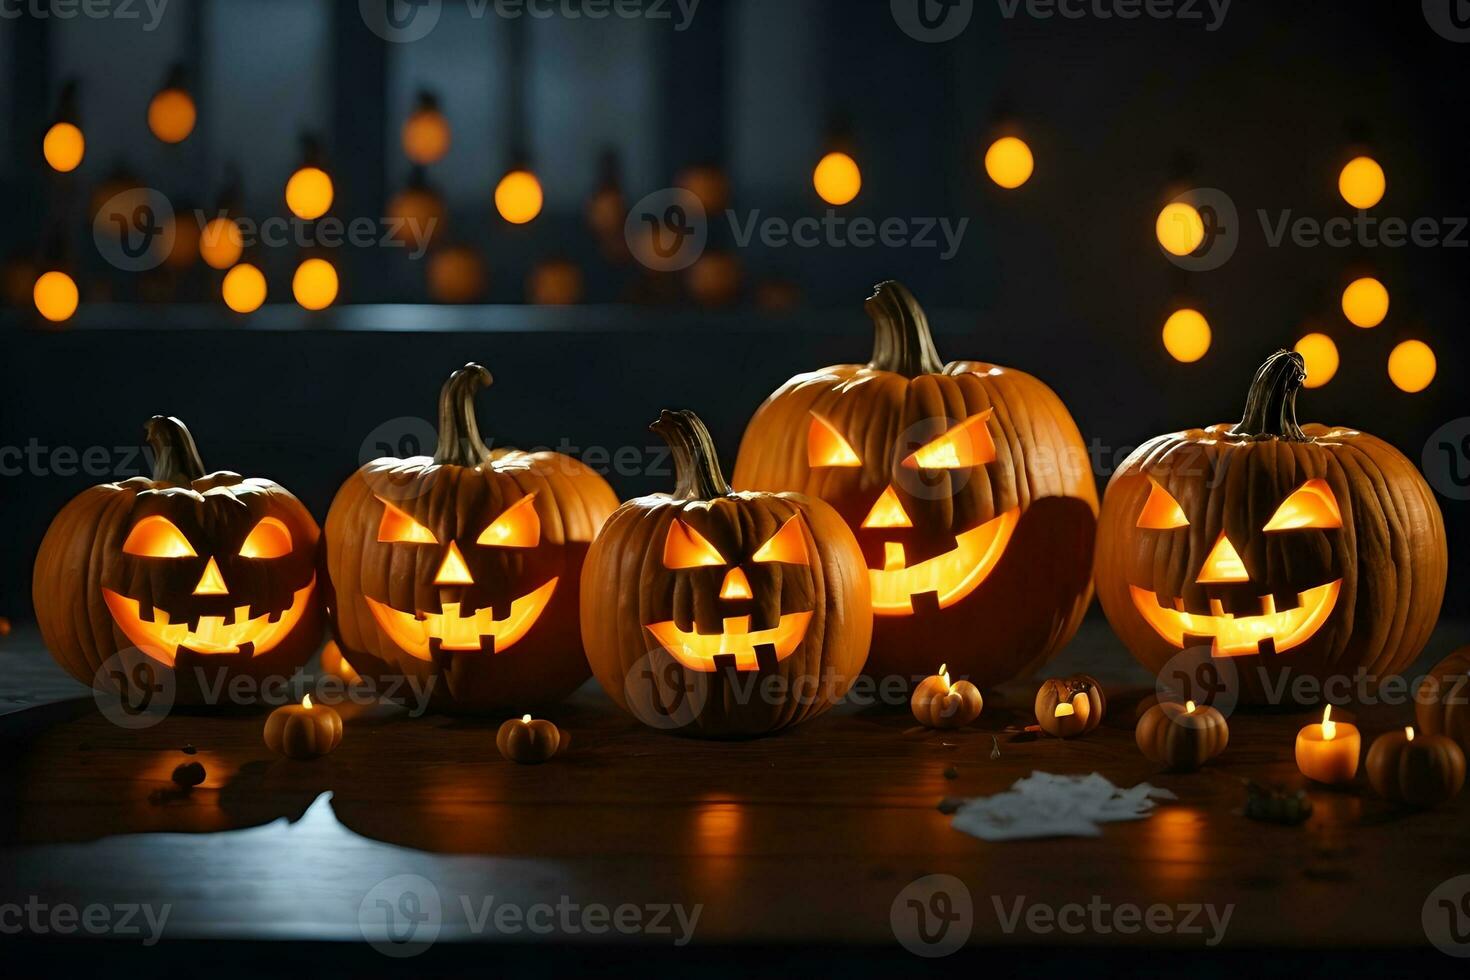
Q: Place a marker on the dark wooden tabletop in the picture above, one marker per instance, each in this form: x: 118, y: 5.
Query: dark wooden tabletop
x: 809, y: 836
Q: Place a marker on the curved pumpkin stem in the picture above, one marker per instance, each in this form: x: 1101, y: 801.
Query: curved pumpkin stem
x: 902, y: 342
x: 697, y: 474
x: 175, y: 457
x: 459, y: 433
x: 1270, y: 408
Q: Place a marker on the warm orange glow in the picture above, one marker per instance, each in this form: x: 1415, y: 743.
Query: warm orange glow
x: 826, y: 447
x: 1009, y: 162
x: 697, y: 651
x: 1329, y: 727
x: 1320, y: 353
x: 686, y: 548
x: 160, y: 639
x: 64, y: 146
x: 1065, y: 709
x: 56, y: 296
x: 1161, y: 512
x: 1365, y: 302
x: 736, y: 585
x: 944, y: 675
x: 1189, y: 707
x: 461, y: 631
x: 1223, y: 564
x: 1412, y: 366
x: 221, y: 244
x: 309, y: 193
x: 244, y: 288
x: 156, y: 537
x: 525, y: 719
x: 1313, y: 505
x: 315, y: 284
x: 519, y: 526
x: 837, y: 179
x: 518, y: 197
x: 1409, y: 732
x: 453, y: 570
x: 1239, y: 636
x: 171, y: 115
x: 952, y: 575
x: 1187, y: 335
x: 1362, y: 182
x: 306, y: 701
x: 211, y: 582
x: 396, y: 527
x: 788, y: 545
x: 887, y: 512
x: 268, y: 539
x: 455, y: 274
x: 967, y: 444
x: 426, y: 136
x: 1179, y: 228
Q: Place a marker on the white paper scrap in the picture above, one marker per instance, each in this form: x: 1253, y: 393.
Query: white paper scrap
x: 1047, y: 805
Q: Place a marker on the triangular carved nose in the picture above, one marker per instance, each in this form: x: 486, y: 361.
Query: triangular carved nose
x: 736, y: 586
x: 211, y: 582
x: 453, y: 570
x: 888, y: 512
x: 1223, y: 564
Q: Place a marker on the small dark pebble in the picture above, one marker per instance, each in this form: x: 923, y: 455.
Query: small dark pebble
x: 189, y: 774
x: 189, y: 749
x: 950, y: 804
x: 951, y: 773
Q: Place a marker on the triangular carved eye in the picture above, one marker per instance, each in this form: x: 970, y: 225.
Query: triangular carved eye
x: 1161, y: 512
x: 156, y: 537
x: 1312, y: 505
x: 687, y: 548
x: 967, y: 444
x: 397, y: 527
x: 519, y: 526
x: 787, y: 545
x: 268, y: 539
x: 826, y: 447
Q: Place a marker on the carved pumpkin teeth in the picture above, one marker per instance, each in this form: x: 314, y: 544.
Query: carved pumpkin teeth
x: 1237, y: 636
x: 236, y: 634
x: 426, y: 635
x: 704, y: 651
x: 951, y: 576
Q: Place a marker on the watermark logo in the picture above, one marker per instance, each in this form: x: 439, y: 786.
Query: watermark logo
x: 1447, y: 459
x: 660, y: 693
x: 401, y: 21
x: 1196, y: 674
x: 667, y: 231
x: 1099, y: 917
x: 1221, y: 229
x: 126, y: 10
x: 932, y: 21
x: 127, y: 920
x: 401, y: 916
x: 132, y: 690
x: 933, y: 916
x: 1209, y: 12
x: 1450, y: 19
x: 1447, y: 917
x: 135, y: 230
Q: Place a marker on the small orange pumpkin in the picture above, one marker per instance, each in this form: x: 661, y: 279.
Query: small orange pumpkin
x: 1181, y: 736
x: 1442, y: 699
x: 938, y: 703
x: 529, y: 741
x: 1416, y: 770
x: 1070, y: 706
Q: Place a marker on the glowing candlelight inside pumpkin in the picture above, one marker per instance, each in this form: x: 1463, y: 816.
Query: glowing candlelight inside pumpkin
x: 528, y: 741
x: 303, y: 731
x: 1328, y: 752
x: 938, y: 703
x: 1065, y: 710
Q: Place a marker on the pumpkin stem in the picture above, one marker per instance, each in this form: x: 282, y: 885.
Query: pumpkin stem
x: 175, y: 457
x: 697, y: 474
x: 459, y: 433
x: 1270, y: 408
x: 902, y: 342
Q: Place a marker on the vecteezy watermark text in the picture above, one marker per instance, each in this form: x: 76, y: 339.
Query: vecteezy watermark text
x: 1100, y: 917
x: 90, y: 9
x: 405, y: 21
x: 126, y: 920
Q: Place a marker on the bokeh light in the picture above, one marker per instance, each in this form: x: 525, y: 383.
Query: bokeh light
x: 1412, y: 366
x: 426, y: 136
x: 837, y: 179
x: 518, y: 197
x: 220, y: 243
x: 171, y: 115
x: 64, y: 147
x: 315, y: 284
x: 244, y: 288
x: 1365, y: 302
x: 1320, y: 353
x: 56, y: 296
x: 1009, y: 162
x: 1187, y: 335
x: 456, y: 274
x: 1362, y: 182
x: 1179, y: 228
x: 309, y: 193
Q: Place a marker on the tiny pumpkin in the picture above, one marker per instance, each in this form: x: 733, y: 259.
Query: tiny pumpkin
x: 210, y: 576
x: 1288, y: 550
x: 529, y: 742
x: 940, y: 703
x: 1442, y: 699
x: 1416, y: 770
x: 1070, y: 706
x: 1182, y: 737
x: 716, y: 613
x: 461, y: 569
x: 303, y: 731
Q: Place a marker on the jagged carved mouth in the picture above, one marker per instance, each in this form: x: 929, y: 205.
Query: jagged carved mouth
x: 476, y: 630
x: 241, y: 633
x: 735, y: 644
x: 1239, y: 636
x: 951, y: 576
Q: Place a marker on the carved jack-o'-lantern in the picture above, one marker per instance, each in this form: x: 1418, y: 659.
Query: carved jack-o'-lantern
x: 1304, y: 550
x: 192, y: 569
x: 691, y: 600
x: 464, y: 566
x: 967, y: 485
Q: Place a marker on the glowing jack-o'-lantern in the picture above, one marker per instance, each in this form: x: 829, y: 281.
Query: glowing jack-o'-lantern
x: 191, y: 569
x: 968, y: 487
x: 1310, y: 549
x: 462, y: 567
x: 706, y: 593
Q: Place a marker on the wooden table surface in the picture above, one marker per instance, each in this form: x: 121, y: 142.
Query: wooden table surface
x: 806, y: 837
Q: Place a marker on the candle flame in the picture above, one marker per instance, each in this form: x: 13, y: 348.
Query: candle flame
x: 944, y: 675
x: 1329, y: 727
x: 1409, y: 731
x: 1189, y: 708
x: 525, y: 719
x: 1065, y: 710
x: 306, y: 701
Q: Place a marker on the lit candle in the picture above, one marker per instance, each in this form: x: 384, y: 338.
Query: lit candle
x: 529, y: 742
x: 1421, y: 771
x: 303, y: 731
x: 939, y: 704
x: 1328, y: 752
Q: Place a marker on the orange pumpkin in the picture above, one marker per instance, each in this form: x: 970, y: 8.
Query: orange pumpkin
x: 1182, y: 737
x: 718, y: 613
x: 968, y: 487
x: 1070, y: 706
x: 462, y: 568
x: 1442, y: 700
x: 210, y: 576
x: 1416, y: 770
x: 1290, y: 551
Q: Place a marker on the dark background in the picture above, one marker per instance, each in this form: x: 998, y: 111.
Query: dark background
x: 1061, y: 278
